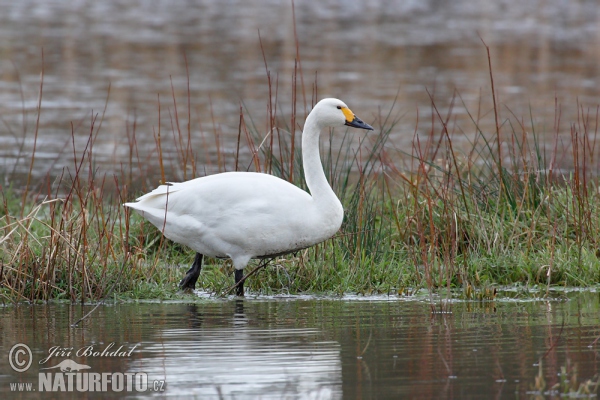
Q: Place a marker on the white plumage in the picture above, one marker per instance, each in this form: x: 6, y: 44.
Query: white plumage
x: 244, y: 215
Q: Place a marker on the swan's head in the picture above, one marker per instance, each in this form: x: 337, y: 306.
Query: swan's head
x: 335, y: 113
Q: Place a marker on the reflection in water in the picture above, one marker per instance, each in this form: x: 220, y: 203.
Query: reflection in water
x: 366, y: 53
x: 303, y: 348
x: 239, y: 317
x: 243, y: 361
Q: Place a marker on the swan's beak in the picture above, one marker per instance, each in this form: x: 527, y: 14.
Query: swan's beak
x: 355, y: 122
x: 358, y: 123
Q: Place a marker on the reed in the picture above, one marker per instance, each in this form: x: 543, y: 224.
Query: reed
x: 463, y: 222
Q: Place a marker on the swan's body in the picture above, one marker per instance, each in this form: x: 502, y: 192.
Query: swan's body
x: 233, y: 215
x: 244, y: 215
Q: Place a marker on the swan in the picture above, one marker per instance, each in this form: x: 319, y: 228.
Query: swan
x: 246, y: 215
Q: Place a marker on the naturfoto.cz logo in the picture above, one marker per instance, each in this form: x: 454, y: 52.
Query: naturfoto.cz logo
x: 70, y: 376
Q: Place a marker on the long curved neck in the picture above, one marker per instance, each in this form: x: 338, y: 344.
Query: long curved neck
x: 313, y: 169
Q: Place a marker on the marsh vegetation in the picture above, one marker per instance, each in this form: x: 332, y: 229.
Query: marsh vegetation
x: 508, y: 209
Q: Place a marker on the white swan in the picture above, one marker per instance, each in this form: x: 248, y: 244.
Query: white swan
x: 244, y: 215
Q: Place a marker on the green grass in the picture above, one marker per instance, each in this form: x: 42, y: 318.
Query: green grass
x: 462, y: 221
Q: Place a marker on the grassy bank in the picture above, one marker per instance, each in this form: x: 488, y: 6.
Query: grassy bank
x: 501, y: 211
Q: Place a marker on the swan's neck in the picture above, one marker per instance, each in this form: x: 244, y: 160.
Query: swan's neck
x: 313, y: 169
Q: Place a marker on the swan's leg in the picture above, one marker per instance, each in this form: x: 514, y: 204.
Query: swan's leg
x: 189, y: 281
x: 239, y: 274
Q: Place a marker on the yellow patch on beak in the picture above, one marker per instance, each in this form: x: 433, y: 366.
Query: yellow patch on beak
x: 348, y: 114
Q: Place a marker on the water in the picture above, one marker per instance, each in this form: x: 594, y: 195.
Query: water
x: 365, y: 52
x: 311, y: 348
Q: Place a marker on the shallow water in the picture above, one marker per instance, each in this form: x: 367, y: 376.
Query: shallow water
x: 366, y: 52
x: 311, y: 348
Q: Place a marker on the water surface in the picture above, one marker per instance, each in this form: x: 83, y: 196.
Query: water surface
x: 545, y: 55
x: 310, y: 348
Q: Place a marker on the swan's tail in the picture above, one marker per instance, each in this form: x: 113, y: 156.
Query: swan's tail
x: 152, y: 205
x: 161, y: 190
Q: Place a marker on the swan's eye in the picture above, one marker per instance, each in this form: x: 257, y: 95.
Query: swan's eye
x: 339, y: 107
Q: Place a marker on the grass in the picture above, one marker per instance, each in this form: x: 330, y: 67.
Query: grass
x: 503, y: 210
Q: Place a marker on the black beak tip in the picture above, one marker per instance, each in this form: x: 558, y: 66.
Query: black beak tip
x: 358, y: 123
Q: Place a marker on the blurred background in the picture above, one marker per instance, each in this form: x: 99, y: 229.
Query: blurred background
x: 371, y: 53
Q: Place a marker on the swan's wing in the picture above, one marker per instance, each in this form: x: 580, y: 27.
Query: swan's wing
x: 225, y: 192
